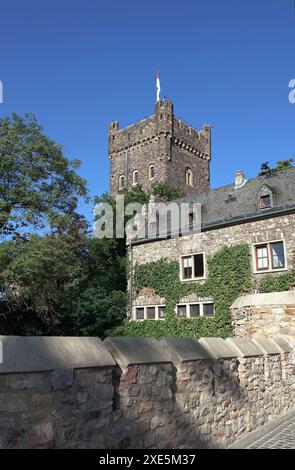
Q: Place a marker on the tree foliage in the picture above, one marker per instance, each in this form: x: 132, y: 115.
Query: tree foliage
x: 39, y: 186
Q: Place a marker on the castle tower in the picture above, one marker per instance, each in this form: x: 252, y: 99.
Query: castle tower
x: 160, y: 148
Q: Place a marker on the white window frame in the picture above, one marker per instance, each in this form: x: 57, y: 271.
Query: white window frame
x: 268, y: 246
x: 193, y: 278
x: 145, y: 307
x: 187, y: 305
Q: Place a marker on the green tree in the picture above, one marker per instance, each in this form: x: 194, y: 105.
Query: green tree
x: 39, y: 186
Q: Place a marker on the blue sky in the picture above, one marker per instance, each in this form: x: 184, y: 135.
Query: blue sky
x: 78, y: 64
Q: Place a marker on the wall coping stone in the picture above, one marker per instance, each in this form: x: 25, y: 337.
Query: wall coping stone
x: 219, y: 348
x: 38, y: 353
x: 185, y: 349
x: 271, y: 298
x: 267, y: 345
x: 130, y: 351
x: 283, y: 342
x: 245, y: 347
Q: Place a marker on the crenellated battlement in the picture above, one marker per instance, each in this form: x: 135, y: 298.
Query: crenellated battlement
x: 164, y: 142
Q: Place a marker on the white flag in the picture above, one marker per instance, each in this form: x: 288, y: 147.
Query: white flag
x: 158, y: 86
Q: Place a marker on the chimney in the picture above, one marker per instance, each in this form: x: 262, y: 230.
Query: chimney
x: 240, y: 179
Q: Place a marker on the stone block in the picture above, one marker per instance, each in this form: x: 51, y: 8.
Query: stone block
x: 218, y: 348
x: 185, y: 349
x: 244, y: 347
x: 37, y: 353
x: 283, y: 342
x: 132, y: 351
x: 62, y: 378
x: 266, y: 345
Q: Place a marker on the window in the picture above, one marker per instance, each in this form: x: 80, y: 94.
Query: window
x: 270, y: 256
x: 277, y: 255
x: 187, y: 267
x: 151, y: 172
x: 181, y: 311
x: 121, y: 182
x: 135, y: 178
x: 191, y: 218
x: 161, y: 311
x: 208, y: 310
x: 193, y: 266
x: 189, y: 177
x: 139, y: 313
x: 265, y: 201
x: 151, y: 313
x: 194, y: 310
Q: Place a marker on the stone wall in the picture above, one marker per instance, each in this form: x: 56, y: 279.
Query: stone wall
x: 141, y: 393
x: 264, y: 314
x: 165, y: 142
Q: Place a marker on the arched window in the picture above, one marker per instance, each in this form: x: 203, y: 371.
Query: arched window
x: 151, y: 172
x: 189, y: 177
x: 121, y: 182
x: 135, y: 177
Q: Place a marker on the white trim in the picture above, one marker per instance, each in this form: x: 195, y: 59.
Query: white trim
x: 145, y: 307
x: 270, y: 270
x: 187, y: 305
x: 193, y: 278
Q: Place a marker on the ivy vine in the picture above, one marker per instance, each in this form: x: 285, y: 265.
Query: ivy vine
x: 229, y: 276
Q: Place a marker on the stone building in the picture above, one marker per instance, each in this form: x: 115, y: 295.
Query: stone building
x: 259, y: 212
x: 160, y: 148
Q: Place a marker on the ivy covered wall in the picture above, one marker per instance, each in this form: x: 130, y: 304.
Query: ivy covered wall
x: 229, y: 276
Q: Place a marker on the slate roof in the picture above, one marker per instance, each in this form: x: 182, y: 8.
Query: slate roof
x: 227, y: 205
x: 218, y: 208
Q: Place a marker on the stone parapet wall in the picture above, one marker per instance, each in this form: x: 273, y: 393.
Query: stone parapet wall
x: 141, y: 393
x: 264, y: 314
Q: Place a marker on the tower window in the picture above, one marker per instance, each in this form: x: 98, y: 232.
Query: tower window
x: 151, y: 172
x: 189, y: 177
x: 135, y: 178
x: 121, y: 182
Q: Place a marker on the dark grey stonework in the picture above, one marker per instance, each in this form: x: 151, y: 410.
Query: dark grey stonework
x: 165, y: 142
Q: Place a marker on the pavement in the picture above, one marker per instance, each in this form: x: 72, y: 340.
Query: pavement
x: 279, y: 434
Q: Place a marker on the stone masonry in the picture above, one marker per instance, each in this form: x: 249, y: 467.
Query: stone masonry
x: 211, y: 241
x: 167, y: 143
x: 264, y: 314
x: 141, y: 393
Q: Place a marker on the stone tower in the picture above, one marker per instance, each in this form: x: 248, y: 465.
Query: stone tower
x: 160, y: 148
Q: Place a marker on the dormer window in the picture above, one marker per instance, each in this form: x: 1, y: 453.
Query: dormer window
x: 265, y: 197
x: 265, y: 201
